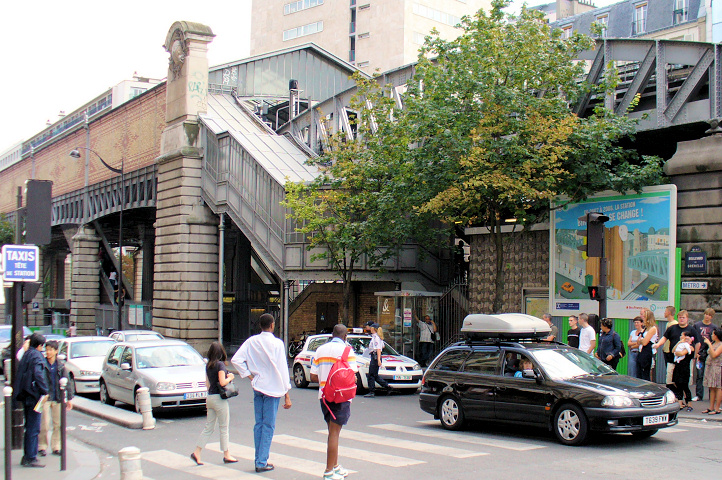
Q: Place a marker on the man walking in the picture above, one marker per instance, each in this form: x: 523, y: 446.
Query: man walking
x: 262, y: 358
x: 51, y: 408
x: 31, y: 385
x: 336, y: 415
x: 553, y: 330
x: 587, y: 337
x: 704, y: 330
x: 574, y: 331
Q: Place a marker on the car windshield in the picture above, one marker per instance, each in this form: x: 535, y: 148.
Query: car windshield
x: 566, y: 363
x: 361, y: 344
x: 6, y: 331
x: 90, y: 349
x: 167, y: 356
x: 134, y: 337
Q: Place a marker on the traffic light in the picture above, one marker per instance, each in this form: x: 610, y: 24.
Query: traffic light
x: 596, y: 292
x: 594, y: 244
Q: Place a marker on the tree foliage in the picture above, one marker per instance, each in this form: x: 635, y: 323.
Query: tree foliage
x: 7, y: 231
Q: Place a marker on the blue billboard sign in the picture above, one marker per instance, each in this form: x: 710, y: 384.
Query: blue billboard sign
x: 21, y: 263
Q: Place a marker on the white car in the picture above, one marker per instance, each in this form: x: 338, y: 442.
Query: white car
x: 403, y: 373
x: 135, y: 335
x: 83, y: 361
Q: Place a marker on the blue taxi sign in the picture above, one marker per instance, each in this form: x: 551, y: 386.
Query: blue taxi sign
x: 21, y: 263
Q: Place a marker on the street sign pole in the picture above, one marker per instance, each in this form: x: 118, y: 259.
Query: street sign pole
x: 16, y: 305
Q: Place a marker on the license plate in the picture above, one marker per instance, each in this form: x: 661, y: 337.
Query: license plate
x: 194, y: 395
x: 402, y: 377
x: 655, y: 419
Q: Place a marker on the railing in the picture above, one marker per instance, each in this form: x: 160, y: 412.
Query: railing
x: 454, y: 305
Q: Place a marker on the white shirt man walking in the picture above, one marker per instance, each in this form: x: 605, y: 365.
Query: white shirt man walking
x: 587, y: 337
x: 262, y: 358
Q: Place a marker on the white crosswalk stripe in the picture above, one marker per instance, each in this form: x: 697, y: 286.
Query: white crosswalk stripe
x: 713, y: 425
x: 183, y: 463
x: 458, y: 437
x: 347, y: 452
x: 407, y: 444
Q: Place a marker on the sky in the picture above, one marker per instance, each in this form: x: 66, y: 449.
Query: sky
x: 60, y: 55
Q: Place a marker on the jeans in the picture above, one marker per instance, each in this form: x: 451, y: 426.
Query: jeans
x: 217, y: 411
x: 51, y: 417
x: 699, y: 390
x: 265, y: 408
x: 632, y: 364
x: 32, y: 430
x: 373, y: 376
x: 426, y: 350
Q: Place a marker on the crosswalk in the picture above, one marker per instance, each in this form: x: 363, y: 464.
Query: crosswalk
x: 388, y: 445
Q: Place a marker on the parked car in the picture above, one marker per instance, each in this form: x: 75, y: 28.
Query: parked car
x: 83, y: 359
x: 403, y: 373
x: 173, y: 371
x: 135, y: 335
x: 505, y: 373
x: 5, y: 334
x: 568, y: 287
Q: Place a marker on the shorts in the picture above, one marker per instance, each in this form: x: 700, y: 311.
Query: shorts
x: 342, y: 412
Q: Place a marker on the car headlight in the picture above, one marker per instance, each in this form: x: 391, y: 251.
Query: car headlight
x: 164, y: 386
x: 617, y: 401
x: 416, y: 367
x: 669, y: 397
x: 88, y: 373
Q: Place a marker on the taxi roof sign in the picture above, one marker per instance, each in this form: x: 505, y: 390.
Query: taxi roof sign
x: 504, y: 325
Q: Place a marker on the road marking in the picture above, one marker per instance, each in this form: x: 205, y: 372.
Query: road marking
x: 705, y: 425
x: 458, y: 437
x: 279, y: 460
x: 407, y: 444
x: 184, y: 464
x: 347, y: 452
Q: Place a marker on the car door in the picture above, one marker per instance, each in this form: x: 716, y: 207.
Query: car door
x: 126, y: 378
x: 476, y: 382
x: 111, y: 369
x: 521, y: 399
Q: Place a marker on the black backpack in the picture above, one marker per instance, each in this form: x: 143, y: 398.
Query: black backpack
x: 623, y: 351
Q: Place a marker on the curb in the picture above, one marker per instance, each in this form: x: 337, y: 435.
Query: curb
x: 118, y: 416
x: 699, y: 417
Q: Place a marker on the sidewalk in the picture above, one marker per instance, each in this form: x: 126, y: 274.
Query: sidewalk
x: 82, y: 464
x: 697, y: 413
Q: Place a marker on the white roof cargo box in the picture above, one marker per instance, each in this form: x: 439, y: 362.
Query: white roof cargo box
x: 504, y: 325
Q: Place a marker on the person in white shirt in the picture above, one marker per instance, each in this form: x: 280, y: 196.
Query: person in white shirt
x: 587, y: 337
x: 375, y: 347
x: 262, y: 358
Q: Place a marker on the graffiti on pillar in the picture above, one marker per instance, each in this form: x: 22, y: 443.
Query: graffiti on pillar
x: 197, y: 89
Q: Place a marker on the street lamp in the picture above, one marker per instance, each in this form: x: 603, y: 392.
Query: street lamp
x: 76, y: 154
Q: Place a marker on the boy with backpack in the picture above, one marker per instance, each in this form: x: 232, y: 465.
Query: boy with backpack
x: 334, y: 368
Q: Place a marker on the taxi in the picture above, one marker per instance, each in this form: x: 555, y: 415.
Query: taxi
x: 505, y: 373
x: 403, y: 373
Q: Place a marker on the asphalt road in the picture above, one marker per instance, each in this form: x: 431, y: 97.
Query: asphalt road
x: 390, y: 437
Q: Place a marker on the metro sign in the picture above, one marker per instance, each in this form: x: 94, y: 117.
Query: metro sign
x: 21, y: 263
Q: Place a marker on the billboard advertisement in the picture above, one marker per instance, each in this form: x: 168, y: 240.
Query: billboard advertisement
x: 639, y: 241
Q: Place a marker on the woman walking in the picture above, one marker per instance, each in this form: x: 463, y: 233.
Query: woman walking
x: 713, y: 371
x: 217, y: 407
x: 646, y: 339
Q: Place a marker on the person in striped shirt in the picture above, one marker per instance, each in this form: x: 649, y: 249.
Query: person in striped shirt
x: 336, y: 415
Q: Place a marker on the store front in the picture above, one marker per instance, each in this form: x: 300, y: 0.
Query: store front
x: 398, y: 313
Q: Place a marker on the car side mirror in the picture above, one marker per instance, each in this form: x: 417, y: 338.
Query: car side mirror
x: 125, y: 366
x: 528, y: 374
x: 62, y: 357
x: 205, y: 360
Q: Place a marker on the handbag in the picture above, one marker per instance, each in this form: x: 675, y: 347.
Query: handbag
x: 437, y: 336
x: 229, y: 390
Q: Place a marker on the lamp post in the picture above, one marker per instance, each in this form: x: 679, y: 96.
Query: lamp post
x: 76, y: 154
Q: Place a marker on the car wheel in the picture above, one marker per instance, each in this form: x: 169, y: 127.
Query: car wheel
x: 451, y: 413
x: 104, y: 396
x: 570, y: 425
x: 299, y: 377
x: 359, y: 385
x: 642, y: 434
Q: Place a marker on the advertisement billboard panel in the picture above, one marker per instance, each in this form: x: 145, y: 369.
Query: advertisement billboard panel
x: 640, y: 241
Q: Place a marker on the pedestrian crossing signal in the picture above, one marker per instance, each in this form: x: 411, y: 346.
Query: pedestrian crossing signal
x: 596, y: 293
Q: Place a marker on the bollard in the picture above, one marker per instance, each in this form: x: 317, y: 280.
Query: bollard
x: 8, y: 371
x: 63, y: 419
x: 130, y: 468
x: 143, y: 399
x: 8, y: 394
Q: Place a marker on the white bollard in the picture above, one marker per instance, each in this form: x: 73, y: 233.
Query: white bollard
x: 7, y: 370
x: 145, y: 408
x: 130, y: 467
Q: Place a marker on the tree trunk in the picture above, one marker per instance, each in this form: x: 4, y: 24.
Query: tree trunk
x: 347, y: 292
x: 496, y: 235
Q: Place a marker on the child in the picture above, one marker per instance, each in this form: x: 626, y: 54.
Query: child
x: 525, y: 365
x: 680, y: 376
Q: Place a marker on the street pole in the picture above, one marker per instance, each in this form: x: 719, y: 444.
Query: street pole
x: 121, y: 289
x: 63, y: 383
x: 8, y: 394
x: 16, y: 306
x: 221, y: 276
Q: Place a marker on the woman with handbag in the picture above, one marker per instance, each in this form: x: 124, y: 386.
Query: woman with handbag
x: 220, y: 384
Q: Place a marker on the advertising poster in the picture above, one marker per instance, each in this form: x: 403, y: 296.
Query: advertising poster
x: 640, y: 241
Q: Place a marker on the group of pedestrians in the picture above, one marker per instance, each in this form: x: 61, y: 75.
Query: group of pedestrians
x: 37, y: 389
x: 262, y: 359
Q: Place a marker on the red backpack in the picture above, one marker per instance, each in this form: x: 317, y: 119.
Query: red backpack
x: 341, y: 382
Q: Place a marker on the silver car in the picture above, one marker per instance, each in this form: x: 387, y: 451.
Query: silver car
x: 83, y: 358
x: 135, y: 335
x: 173, y: 371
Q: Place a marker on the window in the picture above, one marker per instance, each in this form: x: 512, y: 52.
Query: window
x: 114, y: 358
x: 299, y: 5
x: 364, y: 35
x: 567, y: 31
x: 363, y: 64
x: 436, y: 15
x: 681, y: 11
x: 127, y: 356
x: 302, y: 31
x: 451, y: 362
x: 135, y: 91
x: 603, y: 21
x: 482, y: 362
x: 317, y: 342
x: 639, y: 25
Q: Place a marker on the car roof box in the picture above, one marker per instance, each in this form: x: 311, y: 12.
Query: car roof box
x: 479, y: 326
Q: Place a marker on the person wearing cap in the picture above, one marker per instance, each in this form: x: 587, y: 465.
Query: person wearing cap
x: 375, y: 347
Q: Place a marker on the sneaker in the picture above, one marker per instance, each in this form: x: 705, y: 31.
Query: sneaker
x: 696, y: 399
x: 332, y: 475
x: 339, y: 470
x: 42, y: 452
x: 370, y: 395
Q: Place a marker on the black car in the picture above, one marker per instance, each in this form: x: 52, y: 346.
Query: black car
x: 549, y: 385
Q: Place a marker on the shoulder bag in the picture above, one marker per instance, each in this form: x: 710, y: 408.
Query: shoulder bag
x: 229, y: 390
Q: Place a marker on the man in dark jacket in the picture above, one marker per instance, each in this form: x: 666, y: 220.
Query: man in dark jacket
x: 51, y: 408
x: 610, y: 344
x: 30, y: 385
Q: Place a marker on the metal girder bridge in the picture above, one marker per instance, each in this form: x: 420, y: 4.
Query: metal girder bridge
x: 652, y: 262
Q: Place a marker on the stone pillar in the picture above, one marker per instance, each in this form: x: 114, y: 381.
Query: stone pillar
x: 185, y: 299
x: 85, y: 293
x: 696, y: 170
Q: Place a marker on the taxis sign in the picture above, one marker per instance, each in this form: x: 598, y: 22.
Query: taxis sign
x: 21, y: 263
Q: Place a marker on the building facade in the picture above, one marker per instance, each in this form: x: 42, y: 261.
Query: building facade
x: 371, y: 34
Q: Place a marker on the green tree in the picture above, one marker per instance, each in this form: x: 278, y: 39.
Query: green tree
x: 360, y: 205
x: 496, y: 139
x: 7, y: 231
